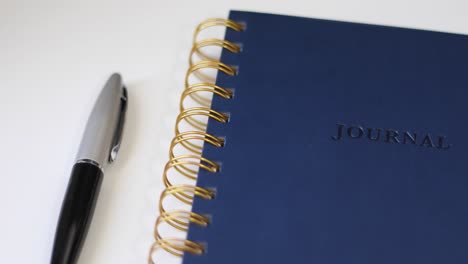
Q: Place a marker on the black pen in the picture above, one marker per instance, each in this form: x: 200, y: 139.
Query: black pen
x: 99, y: 147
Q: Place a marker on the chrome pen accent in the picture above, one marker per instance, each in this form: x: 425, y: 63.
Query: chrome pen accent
x: 103, y: 133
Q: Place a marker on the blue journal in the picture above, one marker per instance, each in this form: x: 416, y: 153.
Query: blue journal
x: 343, y: 143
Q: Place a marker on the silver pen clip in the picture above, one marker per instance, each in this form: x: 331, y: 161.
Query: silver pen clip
x: 117, y: 139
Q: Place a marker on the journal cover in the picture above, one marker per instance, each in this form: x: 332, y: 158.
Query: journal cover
x: 346, y: 143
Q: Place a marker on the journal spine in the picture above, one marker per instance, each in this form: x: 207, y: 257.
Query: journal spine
x: 187, y: 165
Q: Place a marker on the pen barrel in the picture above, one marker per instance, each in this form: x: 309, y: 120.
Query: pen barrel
x: 76, y: 213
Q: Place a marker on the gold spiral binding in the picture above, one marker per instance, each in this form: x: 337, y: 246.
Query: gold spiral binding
x: 196, y: 49
x: 202, y: 163
x: 203, y: 87
x: 216, y: 22
x: 199, y: 111
x: 196, y: 68
x: 173, y: 217
x: 186, y: 137
x: 188, y: 165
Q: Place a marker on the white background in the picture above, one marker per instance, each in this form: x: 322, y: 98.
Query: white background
x: 54, y: 58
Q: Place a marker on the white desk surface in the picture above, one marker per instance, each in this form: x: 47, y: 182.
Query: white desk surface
x: 54, y: 58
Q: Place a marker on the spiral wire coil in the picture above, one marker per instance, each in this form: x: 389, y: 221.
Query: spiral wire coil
x: 184, y: 164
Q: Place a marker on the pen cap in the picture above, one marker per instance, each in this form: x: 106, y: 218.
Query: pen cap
x: 103, y: 132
